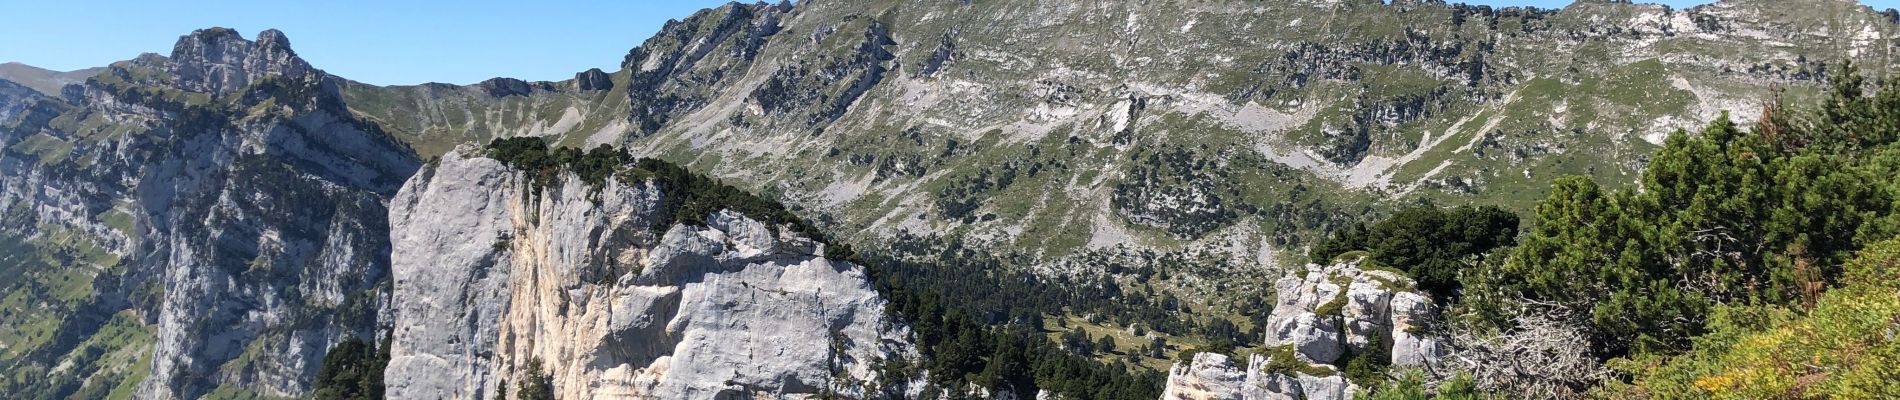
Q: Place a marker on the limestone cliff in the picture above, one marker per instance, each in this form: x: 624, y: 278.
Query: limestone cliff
x: 1320, y: 316
x: 493, y: 271
x: 209, y: 222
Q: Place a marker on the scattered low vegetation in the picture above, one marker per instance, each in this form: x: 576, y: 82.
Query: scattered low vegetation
x: 352, y: 370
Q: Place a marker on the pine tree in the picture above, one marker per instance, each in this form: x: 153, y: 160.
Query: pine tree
x: 1726, y: 216
x: 352, y: 370
x: 535, y: 384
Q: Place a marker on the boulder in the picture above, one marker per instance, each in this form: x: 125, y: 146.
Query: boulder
x: 1410, y: 345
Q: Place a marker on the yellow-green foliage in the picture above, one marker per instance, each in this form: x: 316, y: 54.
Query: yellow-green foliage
x: 1846, y: 347
x: 1282, y: 360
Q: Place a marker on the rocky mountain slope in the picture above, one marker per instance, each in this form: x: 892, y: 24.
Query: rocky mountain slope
x: 1234, y: 131
x: 1071, y: 138
x: 493, y: 272
x: 208, y: 222
x: 47, y: 82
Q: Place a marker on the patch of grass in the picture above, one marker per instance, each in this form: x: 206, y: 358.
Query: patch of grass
x: 42, y: 147
x: 1335, y: 307
x: 68, y: 285
x: 1282, y: 360
x: 117, y: 220
x: 1125, y: 343
x: 1351, y: 256
x: 114, y: 360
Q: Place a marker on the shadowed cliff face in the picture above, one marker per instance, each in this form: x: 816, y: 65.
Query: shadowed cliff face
x: 225, y: 216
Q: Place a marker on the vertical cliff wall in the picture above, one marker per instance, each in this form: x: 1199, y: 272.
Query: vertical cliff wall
x: 494, y: 271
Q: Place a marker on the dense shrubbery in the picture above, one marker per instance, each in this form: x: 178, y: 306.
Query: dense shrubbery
x: 1368, y: 367
x: 1843, y: 348
x: 1764, y: 216
x: 1412, y: 386
x: 1179, y: 190
x: 544, y: 164
x: 1428, y: 243
x: 353, y: 370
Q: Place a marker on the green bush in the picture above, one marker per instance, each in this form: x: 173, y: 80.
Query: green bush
x: 535, y: 384
x: 1727, y: 217
x: 1844, y: 347
x: 1430, y: 244
x: 1368, y: 367
x: 353, y: 370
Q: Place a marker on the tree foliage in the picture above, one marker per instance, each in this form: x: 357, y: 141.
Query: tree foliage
x: 689, y: 198
x: 353, y: 370
x: 1844, y: 347
x: 1766, y: 215
x: 987, y: 331
x: 535, y: 384
x: 1430, y: 244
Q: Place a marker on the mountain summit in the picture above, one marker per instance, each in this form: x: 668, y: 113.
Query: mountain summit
x: 1091, y: 191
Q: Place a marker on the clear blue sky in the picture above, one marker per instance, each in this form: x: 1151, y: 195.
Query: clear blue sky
x: 384, y: 42
x: 380, y: 42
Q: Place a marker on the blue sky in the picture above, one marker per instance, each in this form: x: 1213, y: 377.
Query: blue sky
x: 380, y: 42
x: 384, y: 42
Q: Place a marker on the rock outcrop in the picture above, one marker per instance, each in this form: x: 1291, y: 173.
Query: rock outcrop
x: 231, y: 215
x: 493, y: 273
x: 218, y: 60
x: 1332, y: 310
x: 1212, y: 376
x: 14, y: 98
x: 1320, y: 317
x: 504, y: 87
x: 593, y: 79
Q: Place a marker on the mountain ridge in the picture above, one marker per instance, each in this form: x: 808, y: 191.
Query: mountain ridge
x: 45, y: 81
x: 1206, y: 143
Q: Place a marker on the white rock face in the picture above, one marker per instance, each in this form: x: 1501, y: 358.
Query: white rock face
x: 217, y: 60
x: 1212, y: 376
x: 1323, y: 321
x: 1321, y: 315
x: 1409, y: 345
x: 490, y: 275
